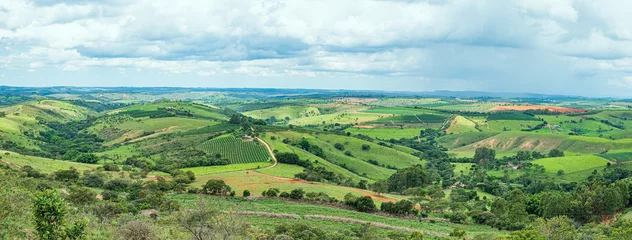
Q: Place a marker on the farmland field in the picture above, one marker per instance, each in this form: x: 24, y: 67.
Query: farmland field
x: 236, y: 150
x: 200, y: 171
x: 617, y: 157
x: 571, y: 164
x: 386, y: 133
x: 460, y: 125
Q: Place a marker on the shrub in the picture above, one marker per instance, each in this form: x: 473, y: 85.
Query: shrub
x: 87, y: 158
x: 94, y: 180
x: 137, y: 230
x: 297, y: 193
x: 49, y: 212
x: 70, y: 175
x: 272, y: 192
x: 366, y: 147
x: 246, y: 193
x: 110, y: 167
x: 339, y: 146
x: 81, y: 196
x: 117, y: 185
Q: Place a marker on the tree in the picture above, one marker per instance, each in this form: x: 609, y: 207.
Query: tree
x: 49, y: 212
x: 557, y: 228
x: 339, y: 146
x: 556, y: 153
x: 235, y: 119
x: 246, y: 193
x: 297, y: 194
x: 87, y: 158
x: 484, y: 156
x: 70, y: 175
x: 414, y: 176
x: 216, y: 187
x: 366, y: 147
x: 380, y: 187
x: 206, y: 221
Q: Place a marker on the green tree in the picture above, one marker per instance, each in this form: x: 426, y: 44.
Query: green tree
x: 49, y: 212
x: 556, y: 153
x: 484, y: 156
x: 216, y: 187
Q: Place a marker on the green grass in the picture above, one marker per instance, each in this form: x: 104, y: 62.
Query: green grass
x: 236, y: 150
x: 513, y: 125
x: 304, y: 155
x: 399, y: 111
x: 571, y: 164
x: 341, y: 118
x: 280, y: 113
x: 465, y: 167
x: 411, y: 119
x: 166, y: 108
x: 44, y: 165
x: 302, y: 209
x: 618, y: 157
x: 462, y: 125
x: 283, y: 170
x: 451, y: 141
x: 544, y: 142
x: 386, y: 133
x: 256, y: 183
x: 206, y: 170
x: 510, y: 116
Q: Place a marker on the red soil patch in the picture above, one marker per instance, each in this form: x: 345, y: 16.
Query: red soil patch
x: 537, y: 107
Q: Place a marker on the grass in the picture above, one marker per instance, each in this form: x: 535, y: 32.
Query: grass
x: 256, y: 183
x: 399, y: 111
x: 207, y: 170
x: 544, y: 142
x: 280, y: 113
x: 44, y: 165
x: 465, y: 167
x: 386, y: 133
x: 341, y: 118
x: 302, y: 209
x: 513, y: 125
x: 282, y: 170
x: 571, y: 164
x: 282, y: 147
x: 460, y: 125
x: 236, y: 150
x: 618, y: 157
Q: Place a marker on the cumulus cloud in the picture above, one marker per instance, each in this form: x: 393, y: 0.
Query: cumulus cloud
x: 484, y: 44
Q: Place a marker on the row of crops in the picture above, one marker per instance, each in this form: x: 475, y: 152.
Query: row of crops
x: 236, y: 150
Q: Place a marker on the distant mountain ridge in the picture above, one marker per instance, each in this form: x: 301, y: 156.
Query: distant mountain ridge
x: 282, y: 92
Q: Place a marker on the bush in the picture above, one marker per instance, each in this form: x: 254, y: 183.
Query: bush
x: 137, y: 230
x: 363, y: 204
x: 457, y: 217
x: 117, y: 185
x: 110, y: 167
x: 70, y: 175
x: 284, y: 195
x: 94, y: 180
x: 297, y: 193
x: 87, y: 158
x: 81, y: 196
x: 246, y: 193
x: 272, y: 192
x: 339, y: 146
x: 366, y: 147
x: 348, y: 153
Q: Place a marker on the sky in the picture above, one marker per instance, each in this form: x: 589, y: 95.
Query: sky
x: 572, y: 47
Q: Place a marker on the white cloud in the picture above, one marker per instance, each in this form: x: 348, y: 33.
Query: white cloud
x: 488, y: 42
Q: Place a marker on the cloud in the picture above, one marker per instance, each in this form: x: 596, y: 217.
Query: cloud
x: 483, y: 44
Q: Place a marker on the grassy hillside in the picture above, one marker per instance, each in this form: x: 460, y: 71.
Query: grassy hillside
x: 571, y: 164
x: 460, y: 125
x: 280, y: 113
x: 515, y: 141
x: 386, y: 133
x: 44, y: 165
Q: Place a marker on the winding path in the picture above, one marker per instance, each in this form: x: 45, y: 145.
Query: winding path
x: 269, y: 151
